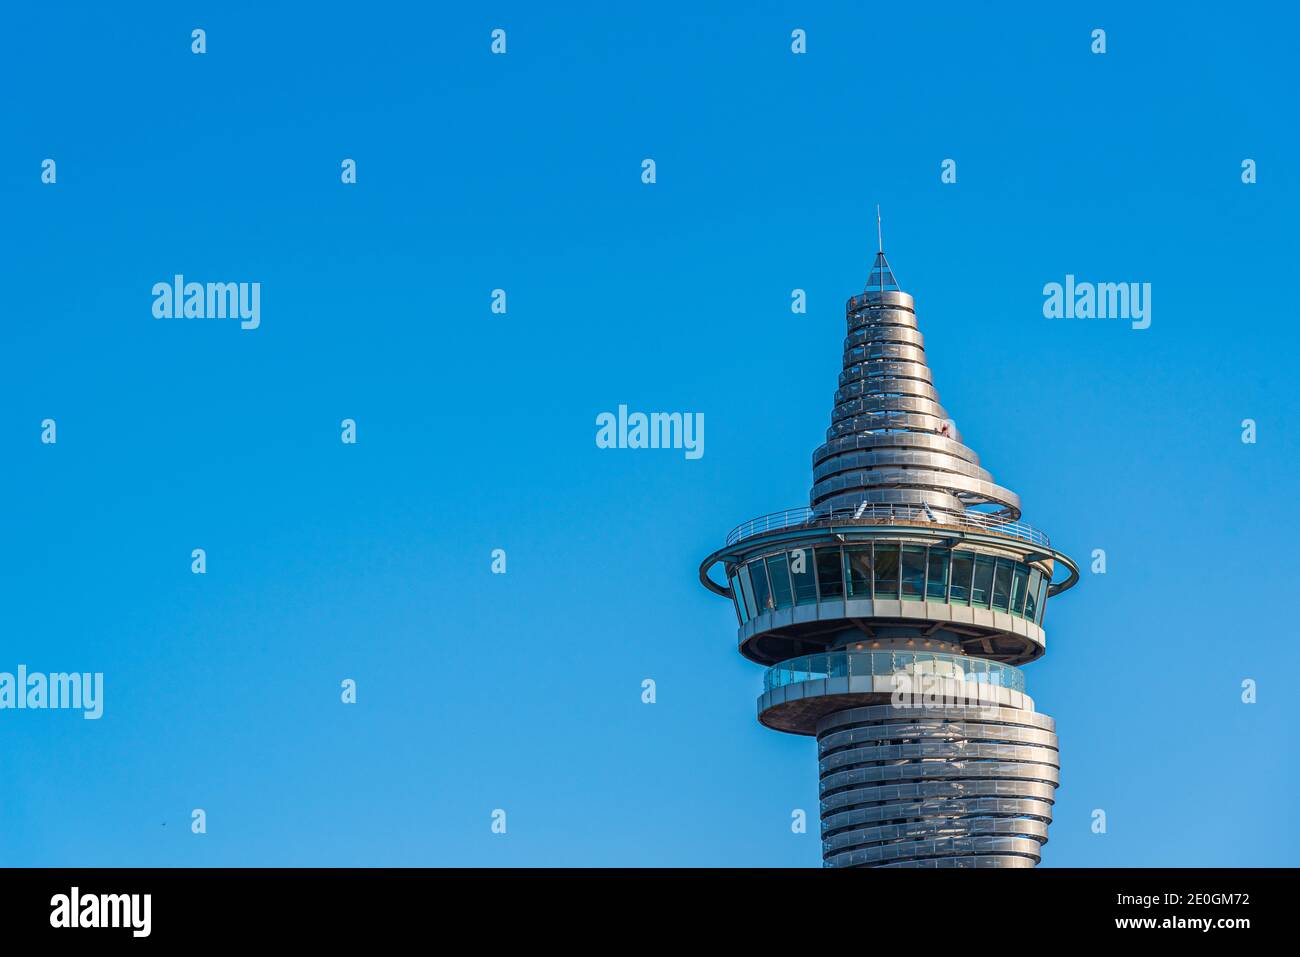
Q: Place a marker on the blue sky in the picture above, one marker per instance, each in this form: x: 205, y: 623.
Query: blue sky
x: 476, y: 431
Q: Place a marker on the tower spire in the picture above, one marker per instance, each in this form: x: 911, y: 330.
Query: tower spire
x: 882, y: 277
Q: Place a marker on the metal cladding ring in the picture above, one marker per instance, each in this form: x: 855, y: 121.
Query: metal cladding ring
x: 900, y: 335
x: 953, y: 730
x: 913, y: 458
x: 940, y: 809
x: 970, y: 489
x: 905, y: 720
x: 884, y: 297
x: 930, y: 853
x: 894, y: 440
x: 966, y: 863
x: 928, y: 830
x: 949, y: 482
x: 877, y: 299
x: 918, y: 788
x: 871, y: 318
x: 884, y: 368
x: 876, y: 403
x: 882, y: 350
x: 895, y: 794
x: 940, y: 747
x: 900, y: 421
x: 908, y: 387
x: 950, y: 768
x: 858, y: 307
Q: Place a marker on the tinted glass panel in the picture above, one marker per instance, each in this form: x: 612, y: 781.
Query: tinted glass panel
x: 1018, y: 589
x: 913, y: 562
x: 830, y: 575
x: 857, y: 563
x: 963, y: 564
x: 936, y: 579
x: 1002, y: 583
x: 746, y: 592
x: 779, y: 573
x: 1042, y: 599
x: 805, y: 582
x: 982, y: 589
x: 1031, y: 597
x: 758, y: 578
x: 740, y: 600
x: 886, y: 571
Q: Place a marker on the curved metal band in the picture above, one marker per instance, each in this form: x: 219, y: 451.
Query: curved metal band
x: 893, y: 352
x: 941, y: 808
x: 914, y: 458
x: 938, y: 770
x: 936, y: 747
x: 914, y: 852
x: 945, y: 482
x: 831, y: 741
x: 885, y: 368
x: 886, y: 386
x: 900, y: 335
x: 844, y: 801
x: 881, y: 318
x: 894, y: 440
x: 876, y: 403
x: 902, y: 421
x: 904, y: 723
x: 893, y: 834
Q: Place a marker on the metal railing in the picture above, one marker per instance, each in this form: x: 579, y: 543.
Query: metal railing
x: 847, y: 664
x: 870, y: 513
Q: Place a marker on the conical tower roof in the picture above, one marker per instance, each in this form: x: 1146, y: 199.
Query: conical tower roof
x: 891, y: 444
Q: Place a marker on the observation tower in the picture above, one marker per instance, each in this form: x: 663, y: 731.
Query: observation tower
x: 892, y: 614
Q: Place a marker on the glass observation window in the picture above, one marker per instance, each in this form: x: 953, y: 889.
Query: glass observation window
x: 886, y: 571
x: 803, y: 576
x: 758, y: 578
x: 981, y: 590
x: 779, y: 573
x: 936, y: 578
x: 1018, y: 583
x: 747, y: 593
x: 1042, y: 599
x: 913, y: 571
x: 739, y: 599
x: 1002, y: 583
x: 963, y: 565
x: 1031, y: 596
x: 857, y: 567
x: 830, y: 573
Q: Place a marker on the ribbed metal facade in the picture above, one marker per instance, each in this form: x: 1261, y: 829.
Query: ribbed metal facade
x: 943, y: 787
